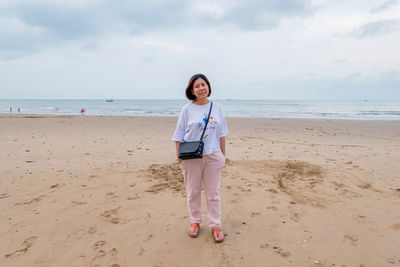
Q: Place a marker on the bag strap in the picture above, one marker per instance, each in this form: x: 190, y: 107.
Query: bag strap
x: 204, y: 130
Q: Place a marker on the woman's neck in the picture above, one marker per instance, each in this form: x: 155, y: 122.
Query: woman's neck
x: 202, y: 101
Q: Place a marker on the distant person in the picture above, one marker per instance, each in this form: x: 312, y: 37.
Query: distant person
x: 207, y: 169
x: 19, y: 110
x: 10, y: 109
x: 83, y: 111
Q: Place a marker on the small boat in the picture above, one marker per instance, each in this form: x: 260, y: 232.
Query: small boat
x: 109, y: 100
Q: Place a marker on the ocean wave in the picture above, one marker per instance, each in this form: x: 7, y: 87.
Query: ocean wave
x: 49, y: 108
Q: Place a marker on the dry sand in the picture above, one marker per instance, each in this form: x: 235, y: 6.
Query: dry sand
x: 106, y: 191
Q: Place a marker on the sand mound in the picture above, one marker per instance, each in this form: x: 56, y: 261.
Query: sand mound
x: 298, y: 179
x: 168, y: 176
x: 294, y: 171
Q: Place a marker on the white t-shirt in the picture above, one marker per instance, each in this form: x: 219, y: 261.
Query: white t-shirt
x: 191, y: 123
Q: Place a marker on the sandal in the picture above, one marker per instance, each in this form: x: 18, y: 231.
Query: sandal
x: 193, y: 230
x: 217, y: 234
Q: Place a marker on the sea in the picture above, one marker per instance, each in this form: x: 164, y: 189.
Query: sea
x: 353, y: 110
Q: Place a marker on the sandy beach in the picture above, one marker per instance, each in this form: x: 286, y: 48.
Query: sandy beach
x: 107, y: 191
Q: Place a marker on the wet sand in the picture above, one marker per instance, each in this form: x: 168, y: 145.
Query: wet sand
x: 106, y: 191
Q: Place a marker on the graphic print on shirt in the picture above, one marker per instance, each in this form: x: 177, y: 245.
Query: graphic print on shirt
x: 212, y: 124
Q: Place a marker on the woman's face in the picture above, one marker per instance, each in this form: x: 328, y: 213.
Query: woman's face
x: 200, y: 89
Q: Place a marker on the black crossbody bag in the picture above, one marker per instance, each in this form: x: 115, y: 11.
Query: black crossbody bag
x: 194, y: 149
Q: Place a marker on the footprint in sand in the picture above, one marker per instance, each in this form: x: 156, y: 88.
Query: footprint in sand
x: 101, y: 253
x: 113, y: 252
x: 26, y: 245
x: 110, y: 213
x: 133, y: 198
x: 26, y: 202
x: 353, y: 240
x: 115, y: 220
x: 368, y: 186
x: 149, y: 237
x: 98, y: 244
x: 111, y: 216
x: 78, y: 203
x: 4, y: 195
x: 141, y: 251
x: 111, y: 195
x: 56, y: 185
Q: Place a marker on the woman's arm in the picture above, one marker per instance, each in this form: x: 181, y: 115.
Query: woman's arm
x: 177, y: 145
x: 222, y: 144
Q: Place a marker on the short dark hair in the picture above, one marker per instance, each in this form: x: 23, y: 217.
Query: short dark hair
x: 189, y: 87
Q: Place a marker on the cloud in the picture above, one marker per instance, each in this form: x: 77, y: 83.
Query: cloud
x: 384, y: 6
x: 256, y: 14
x: 59, y: 22
x: 378, y: 28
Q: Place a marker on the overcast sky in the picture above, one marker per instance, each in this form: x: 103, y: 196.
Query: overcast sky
x: 249, y: 49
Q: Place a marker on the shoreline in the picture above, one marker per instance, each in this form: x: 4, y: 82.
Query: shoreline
x: 38, y: 115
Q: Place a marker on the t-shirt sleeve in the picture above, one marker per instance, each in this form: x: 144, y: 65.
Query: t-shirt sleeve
x: 180, y: 127
x: 223, y: 129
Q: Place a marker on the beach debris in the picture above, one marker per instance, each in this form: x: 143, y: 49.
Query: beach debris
x: 292, y: 202
x: 392, y: 261
x: 277, y: 249
x: 243, y: 222
x: 316, y: 262
x: 264, y: 246
x: 361, y: 216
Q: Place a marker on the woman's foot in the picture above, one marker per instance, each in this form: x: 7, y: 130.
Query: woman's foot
x: 217, y: 234
x: 193, y: 230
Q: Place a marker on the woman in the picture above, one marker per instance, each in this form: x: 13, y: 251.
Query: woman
x: 207, y: 169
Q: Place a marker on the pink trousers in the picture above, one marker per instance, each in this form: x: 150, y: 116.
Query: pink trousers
x: 206, y: 170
